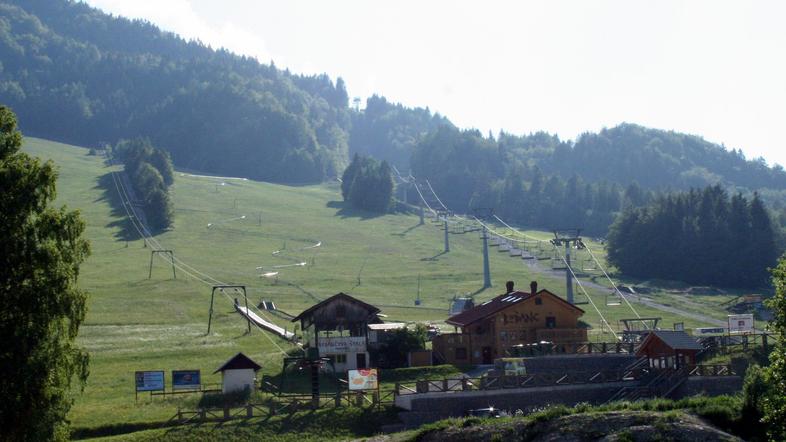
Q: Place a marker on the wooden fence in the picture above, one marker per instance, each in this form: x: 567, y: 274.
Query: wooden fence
x: 634, y: 374
x: 574, y: 348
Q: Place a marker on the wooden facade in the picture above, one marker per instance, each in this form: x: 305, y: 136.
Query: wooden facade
x: 669, y: 349
x: 489, y: 329
x: 338, y: 329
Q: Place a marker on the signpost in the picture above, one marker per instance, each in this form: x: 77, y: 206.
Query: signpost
x: 149, y: 381
x: 186, y: 380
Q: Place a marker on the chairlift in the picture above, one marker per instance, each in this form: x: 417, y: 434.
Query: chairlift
x: 613, y: 302
x: 558, y: 264
x: 588, y: 266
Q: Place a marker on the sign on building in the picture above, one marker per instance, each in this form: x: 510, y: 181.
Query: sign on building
x: 149, y: 380
x: 186, y: 380
x: 342, y: 344
x: 741, y: 323
x: 365, y: 379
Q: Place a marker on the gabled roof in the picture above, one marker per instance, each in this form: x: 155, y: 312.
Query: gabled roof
x: 494, y: 305
x: 371, y: 309
x: 676, y: 340
x: 239, y: 362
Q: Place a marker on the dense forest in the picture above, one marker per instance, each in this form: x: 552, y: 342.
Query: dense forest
x: 151, y: 174
x: 469, y: 171
x: 76, y: 74
x: 368, y: 184
x: 700, y: 236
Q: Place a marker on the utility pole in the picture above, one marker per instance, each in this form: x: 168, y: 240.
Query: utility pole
x: 163, y: 252
x: 485, y: 214
x: 568, y: 238
x: 447, y: 241
x: 486, y: 271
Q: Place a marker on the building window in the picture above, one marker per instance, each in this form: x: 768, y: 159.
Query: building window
x: 461, y: 353
x: 551, y: 322
x: 341, y: 359
x: 538, y: 301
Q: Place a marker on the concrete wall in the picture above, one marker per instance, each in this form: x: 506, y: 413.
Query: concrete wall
x: 238, y: 380
x: 709, y: 386
x: 577, y: 363
x: 456, y: 403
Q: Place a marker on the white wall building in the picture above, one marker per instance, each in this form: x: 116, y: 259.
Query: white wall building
x: 238, y: 374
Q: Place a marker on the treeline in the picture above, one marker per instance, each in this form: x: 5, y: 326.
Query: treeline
x: 470, y: 171
x: 390, y: 131
x: 150, y: 172
x: 76, y: 74
x: 700, y: 237
x: 368, y: 184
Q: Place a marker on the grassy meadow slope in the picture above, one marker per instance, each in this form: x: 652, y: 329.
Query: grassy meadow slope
x: 136, y: 323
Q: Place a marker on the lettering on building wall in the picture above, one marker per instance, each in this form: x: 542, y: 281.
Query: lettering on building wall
x: 515, y: 318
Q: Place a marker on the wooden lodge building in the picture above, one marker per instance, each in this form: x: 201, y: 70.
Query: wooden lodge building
x: 489, y: 329
x: 337, y: 328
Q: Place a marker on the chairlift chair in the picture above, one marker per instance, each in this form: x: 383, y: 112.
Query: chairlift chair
x: 612, y: 302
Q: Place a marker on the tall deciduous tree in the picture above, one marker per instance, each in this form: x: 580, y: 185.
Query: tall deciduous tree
x: 41, y: 307
x: 775, y: 374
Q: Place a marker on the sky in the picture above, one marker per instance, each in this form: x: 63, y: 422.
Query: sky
x: 711, y: 68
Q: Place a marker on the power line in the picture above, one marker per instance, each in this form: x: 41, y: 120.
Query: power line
x: 158, y: 244
x: 613, y: 284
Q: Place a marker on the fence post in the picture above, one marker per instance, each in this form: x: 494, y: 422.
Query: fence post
x: 226, y: 412
x: 202, y: 414
x: 464, y: 384
x: 337, y: 399
x: 249, y: 411
x: 444, y: 385
x: 398, y: 388
x: 603, y: 347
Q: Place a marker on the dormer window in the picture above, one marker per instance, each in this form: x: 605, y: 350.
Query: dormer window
x: 538, y: 301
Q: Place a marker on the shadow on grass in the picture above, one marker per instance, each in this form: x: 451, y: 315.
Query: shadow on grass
x: 109, y: 193
x: 435, y: 257
x: 345, y: 210
x: 409, y: 229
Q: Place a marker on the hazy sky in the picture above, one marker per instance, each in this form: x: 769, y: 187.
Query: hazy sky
x: 711, y: 68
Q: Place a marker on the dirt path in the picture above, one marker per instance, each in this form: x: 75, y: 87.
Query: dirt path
x: 534, y: 265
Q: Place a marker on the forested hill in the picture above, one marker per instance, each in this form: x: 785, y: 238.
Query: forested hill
x: 74, y: 73
x: 655, y: 159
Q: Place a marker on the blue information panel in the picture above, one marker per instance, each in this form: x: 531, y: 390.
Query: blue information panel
x: 185, y: 379
x: 149, y: 380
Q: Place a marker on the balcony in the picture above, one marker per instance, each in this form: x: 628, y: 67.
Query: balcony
x: 562, y: 335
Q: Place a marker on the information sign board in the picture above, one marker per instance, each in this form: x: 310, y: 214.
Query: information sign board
x: 364, y: 379
x: 149, y: 380
x: 741, y: 323
x: 186, y: 380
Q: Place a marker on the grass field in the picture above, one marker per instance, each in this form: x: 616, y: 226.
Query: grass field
x: 136, y: 323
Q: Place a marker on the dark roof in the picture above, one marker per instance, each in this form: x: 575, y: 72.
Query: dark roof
x: 371, y: 309
x: 677, y: 340
x: 239, y: 362
x: 491, y: 307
